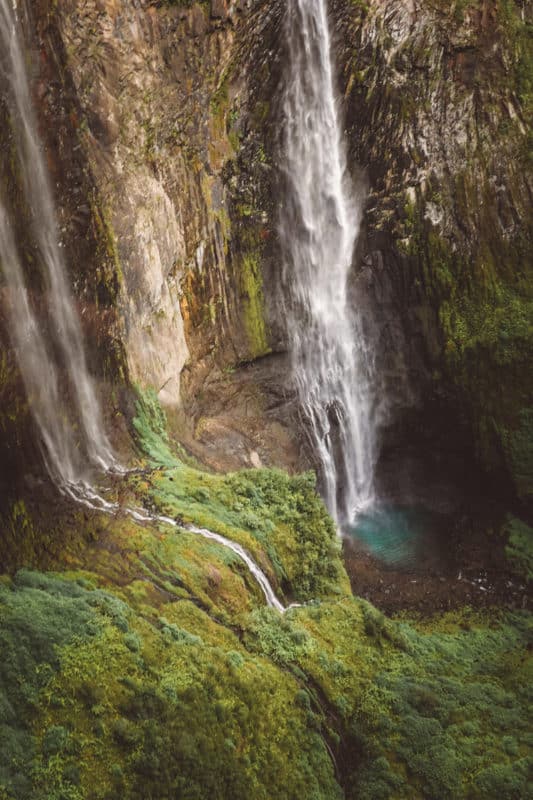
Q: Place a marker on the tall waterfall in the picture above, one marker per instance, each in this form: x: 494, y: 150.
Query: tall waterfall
x: 39, y: 372
x: 319, y: 225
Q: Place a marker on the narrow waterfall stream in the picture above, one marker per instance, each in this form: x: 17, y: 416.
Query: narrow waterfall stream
x: 64, y: 459
x: 91, y: 499
x: 40, y: 373
x: 319, y: 224
x: 34, y: 360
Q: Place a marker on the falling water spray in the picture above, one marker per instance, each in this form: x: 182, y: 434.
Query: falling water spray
x: 36, y: 365
x: 39, y: 372
x: 319, y: 224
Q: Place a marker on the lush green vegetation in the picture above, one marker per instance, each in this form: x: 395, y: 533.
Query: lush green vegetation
x: 100, y: 702
x: 433, y: 710
x: 276, y: 517
x: 149, y: 667
x: 103, y: 698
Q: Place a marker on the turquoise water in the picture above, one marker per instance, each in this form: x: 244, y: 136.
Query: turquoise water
x: 399, y: 536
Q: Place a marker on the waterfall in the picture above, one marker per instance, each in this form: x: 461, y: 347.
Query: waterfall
x: 37, y: 367
x: 34, y: 360
x: 319, y: 224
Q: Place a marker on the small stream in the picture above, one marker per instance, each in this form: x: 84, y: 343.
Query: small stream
x: 85, y: 494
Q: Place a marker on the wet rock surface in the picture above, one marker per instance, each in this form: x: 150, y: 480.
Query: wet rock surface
x: 159, y: 118
x: 162, y: 126
x: 429, y: 88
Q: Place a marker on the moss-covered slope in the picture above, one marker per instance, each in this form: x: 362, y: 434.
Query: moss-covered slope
x: 146, y: 665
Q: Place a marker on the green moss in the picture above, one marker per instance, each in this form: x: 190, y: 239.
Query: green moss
x: 20, y: 523
x: 39, y: 614
x: 519, y: 549
x: 502, y: 323
x: 423, y: 708
x: 13, y: 406
x: 176, y: 716
x: 254, y: 308
x: 150, y: 424
x: 484, y: 302
x: 110, y: 268
x: 102, y: 697
x: 410, y: 691
x: 247, y: 253
x: 361, y: 5
x: 184, y: 3
x: 520, y: 449
x: 517, y: 28
x: 279, y: 519
x: 460, y: 7
x: 220, y: 98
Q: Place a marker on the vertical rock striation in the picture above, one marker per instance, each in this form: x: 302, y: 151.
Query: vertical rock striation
x: 439, y: 111
x: 161, y: 121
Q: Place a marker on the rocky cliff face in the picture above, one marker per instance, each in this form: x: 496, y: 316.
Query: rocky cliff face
x: 171, y: 111
x: 144, y: 663
x: 162, y: 125
x: 438, y: 100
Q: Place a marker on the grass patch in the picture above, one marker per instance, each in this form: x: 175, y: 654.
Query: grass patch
x: 280, y: 519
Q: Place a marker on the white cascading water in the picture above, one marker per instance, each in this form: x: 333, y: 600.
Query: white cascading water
x: 34, y: 360
x: 37, y: 367
x: 319, y: 225
x: 93, y: 500
x: 65, y: 322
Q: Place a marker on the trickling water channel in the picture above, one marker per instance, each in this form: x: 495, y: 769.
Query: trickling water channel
x: 39, y: 371
x: 90, y: 498
x: 319, y: 224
